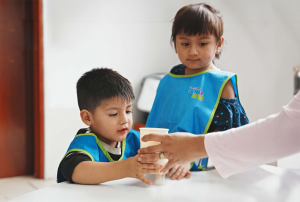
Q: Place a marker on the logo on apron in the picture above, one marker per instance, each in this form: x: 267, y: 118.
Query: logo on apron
x: 196, y: 93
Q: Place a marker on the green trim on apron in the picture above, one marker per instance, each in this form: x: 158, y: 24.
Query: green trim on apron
x: 216, y: 105
x: 190, y: 75
x: 105, y: 152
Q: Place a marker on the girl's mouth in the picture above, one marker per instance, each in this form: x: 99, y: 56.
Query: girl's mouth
x: 193, y: 60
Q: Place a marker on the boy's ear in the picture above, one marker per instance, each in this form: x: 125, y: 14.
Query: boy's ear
x: 86, y: 117
x: 220, y: 45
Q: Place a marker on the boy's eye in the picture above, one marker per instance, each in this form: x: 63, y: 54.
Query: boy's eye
x: 113, y: 114
x: 203, y: 44
x: 128, y: 112
x: 185, y: 44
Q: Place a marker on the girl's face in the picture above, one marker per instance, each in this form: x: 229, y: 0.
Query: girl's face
x: 197, y: 52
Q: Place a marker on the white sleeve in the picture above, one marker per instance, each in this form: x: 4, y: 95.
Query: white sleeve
x: 264, y: 141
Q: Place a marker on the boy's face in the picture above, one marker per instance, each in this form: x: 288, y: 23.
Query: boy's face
x: 112, y: 120
x: 196, y: 52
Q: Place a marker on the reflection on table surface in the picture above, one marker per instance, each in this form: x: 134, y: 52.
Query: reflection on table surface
x: 265, y: 183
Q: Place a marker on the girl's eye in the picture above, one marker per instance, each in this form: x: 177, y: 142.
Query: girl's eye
x: 203, y: 44
x: 113, y: 114
x: 185, y: 44
x: 128, y: 112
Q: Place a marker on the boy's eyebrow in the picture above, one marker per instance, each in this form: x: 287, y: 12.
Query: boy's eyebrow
x: 118, y: 107
x: 113, y: 108
x: 203, y: 37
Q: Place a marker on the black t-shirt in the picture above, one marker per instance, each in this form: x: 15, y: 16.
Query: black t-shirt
x: 72, y: 159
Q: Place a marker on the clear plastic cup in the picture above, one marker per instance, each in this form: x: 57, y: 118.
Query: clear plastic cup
x: 156, y: 179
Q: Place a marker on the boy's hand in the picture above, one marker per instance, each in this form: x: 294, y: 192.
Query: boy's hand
x: 180, y: 171
x: 138, y: 169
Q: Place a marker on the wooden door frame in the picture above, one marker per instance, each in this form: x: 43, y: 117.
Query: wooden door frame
x: 38, y: 91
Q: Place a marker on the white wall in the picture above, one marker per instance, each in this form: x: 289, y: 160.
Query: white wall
x: 132, y: 37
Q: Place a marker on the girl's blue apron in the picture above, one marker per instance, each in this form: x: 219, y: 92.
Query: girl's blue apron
x: 187, y: 103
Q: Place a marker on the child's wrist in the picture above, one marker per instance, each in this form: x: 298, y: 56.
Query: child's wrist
x: 128, y: 167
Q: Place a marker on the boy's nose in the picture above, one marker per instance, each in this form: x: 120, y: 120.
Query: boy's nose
x: 124, y: 119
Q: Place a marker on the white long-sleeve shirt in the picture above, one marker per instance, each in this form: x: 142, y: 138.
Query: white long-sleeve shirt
x: 264, y: 141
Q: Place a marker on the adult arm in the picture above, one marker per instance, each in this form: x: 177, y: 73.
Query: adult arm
x: 263, y: 141
x: 234, y: 150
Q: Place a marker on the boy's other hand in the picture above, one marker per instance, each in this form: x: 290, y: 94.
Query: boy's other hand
x: 180, y: 171
x: 138, y: 169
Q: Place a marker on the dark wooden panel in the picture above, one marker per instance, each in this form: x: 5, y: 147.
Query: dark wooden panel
x: 38, y: 90
x: 16, y: 88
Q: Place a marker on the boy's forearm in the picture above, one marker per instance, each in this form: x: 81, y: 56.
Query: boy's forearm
x: 90, y: 172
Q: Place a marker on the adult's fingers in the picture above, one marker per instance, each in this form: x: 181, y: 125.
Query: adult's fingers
x: 151, y: 171
x: 151, y: 149
x: 149, y: 158
x: 167, y: 167
x: 153, y: 137
x: 151, y: 166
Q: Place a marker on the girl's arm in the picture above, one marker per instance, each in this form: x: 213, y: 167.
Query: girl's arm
x: 228, y: 91
x: 91, y: 172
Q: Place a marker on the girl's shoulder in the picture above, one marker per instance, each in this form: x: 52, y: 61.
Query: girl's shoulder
x: 178, y: 69
x: 221, y: 72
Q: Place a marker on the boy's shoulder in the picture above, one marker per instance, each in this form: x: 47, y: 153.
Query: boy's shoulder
x: 85, y: 142
x: 84, y: 137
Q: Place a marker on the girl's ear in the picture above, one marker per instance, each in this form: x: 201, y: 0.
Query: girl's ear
x: 220, y: 45
x: 86, y: 117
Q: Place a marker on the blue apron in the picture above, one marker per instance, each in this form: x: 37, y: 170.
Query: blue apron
x: 187, y: 103
x: 89, y: 144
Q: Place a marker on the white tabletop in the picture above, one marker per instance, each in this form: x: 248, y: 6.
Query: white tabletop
x: 265, y: 183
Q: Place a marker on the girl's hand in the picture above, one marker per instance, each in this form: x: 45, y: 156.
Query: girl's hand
x: 180, y: 171
x: 138, y: 169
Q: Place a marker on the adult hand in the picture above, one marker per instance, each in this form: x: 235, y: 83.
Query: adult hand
x: 179, y: 148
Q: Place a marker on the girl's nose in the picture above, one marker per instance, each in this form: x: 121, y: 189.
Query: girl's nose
x: 193, y: 51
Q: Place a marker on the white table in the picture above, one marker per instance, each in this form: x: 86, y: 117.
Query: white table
x: 265, y: 183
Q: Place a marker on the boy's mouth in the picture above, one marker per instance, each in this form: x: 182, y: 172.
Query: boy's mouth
x: 124, y: 130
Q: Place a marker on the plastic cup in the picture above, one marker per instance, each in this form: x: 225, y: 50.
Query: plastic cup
x: 156, y: 179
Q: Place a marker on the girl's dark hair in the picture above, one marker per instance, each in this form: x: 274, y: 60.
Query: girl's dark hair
x: 100, y: 84
x: 198, y: 19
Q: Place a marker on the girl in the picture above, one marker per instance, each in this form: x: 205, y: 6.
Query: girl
x: 197, y: 97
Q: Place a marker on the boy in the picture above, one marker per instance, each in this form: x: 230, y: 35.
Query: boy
x: 96, y: 153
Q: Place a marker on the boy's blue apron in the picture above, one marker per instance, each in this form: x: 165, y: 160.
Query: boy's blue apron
x: 187, y: 103
x: 89, y: 144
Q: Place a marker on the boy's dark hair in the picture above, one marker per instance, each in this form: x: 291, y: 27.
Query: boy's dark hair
x: 198, y: 19
x: 100, y: 84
